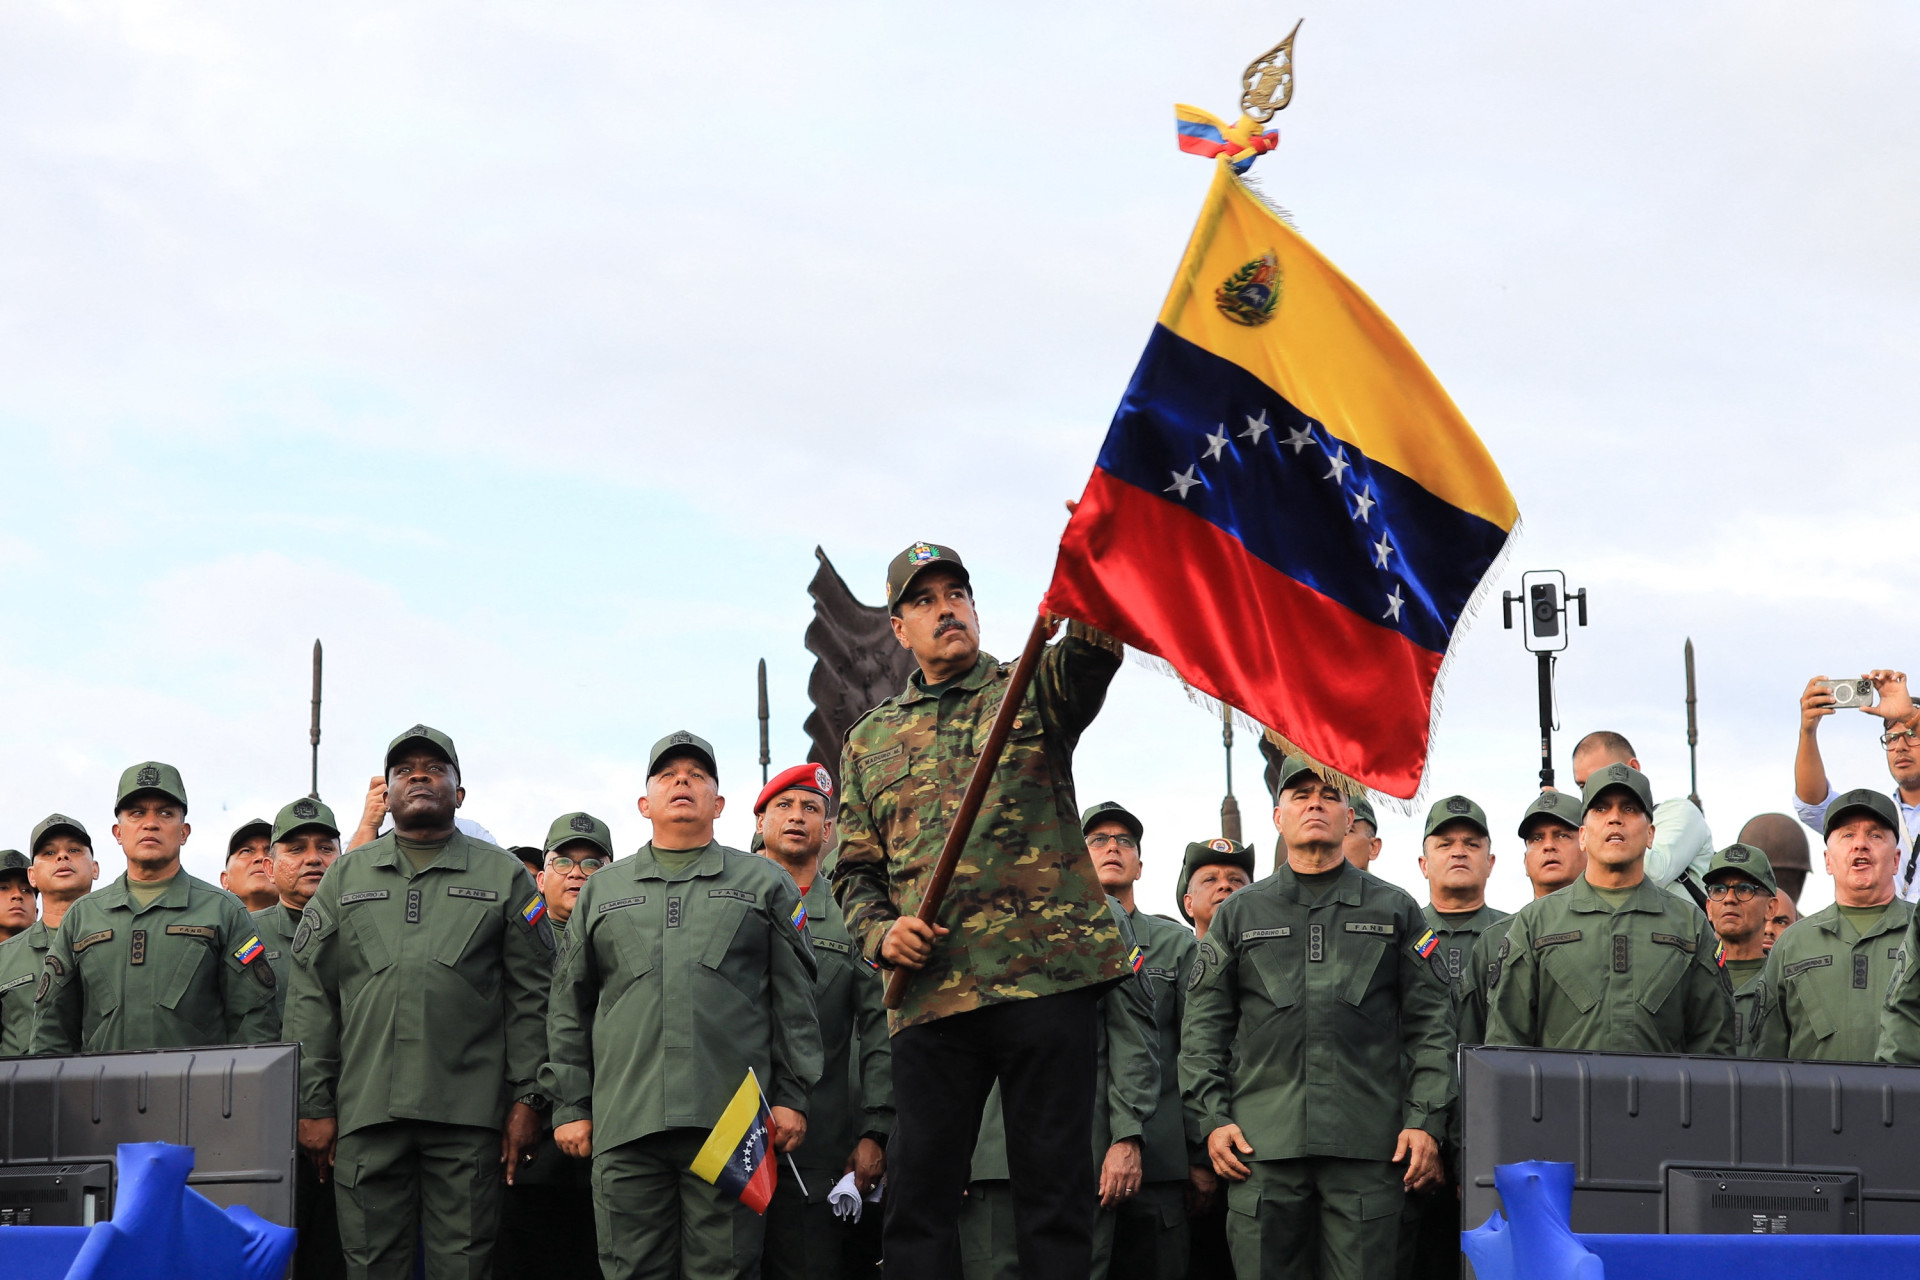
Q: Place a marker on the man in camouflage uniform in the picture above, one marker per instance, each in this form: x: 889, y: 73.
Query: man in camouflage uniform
x: 1613, y: 962
x: 1315, y: 1055
x: 850, y: 1112
x: 1827, y: 979
x: 1456, y: 857
x: 1005, y: 983
x: 420, y: 973
x: 157, y: 959
x: 63, y: 871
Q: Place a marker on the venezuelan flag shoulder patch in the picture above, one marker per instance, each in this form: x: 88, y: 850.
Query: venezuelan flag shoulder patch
x: 1136, y: 959
x: 249, y: 951
x: 1429, y: 943
x: 799, y: 916
x: 535, y: 911
x: 1720, y: 954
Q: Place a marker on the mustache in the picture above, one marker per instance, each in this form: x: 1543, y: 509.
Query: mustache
x: 946, y: 625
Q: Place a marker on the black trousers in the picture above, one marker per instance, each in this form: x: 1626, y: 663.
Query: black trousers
x: 1043, y: 1052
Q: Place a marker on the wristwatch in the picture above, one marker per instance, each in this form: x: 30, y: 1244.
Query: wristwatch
x: 538, y: 1101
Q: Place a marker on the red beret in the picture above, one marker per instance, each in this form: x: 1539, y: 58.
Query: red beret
x: 802, y: 777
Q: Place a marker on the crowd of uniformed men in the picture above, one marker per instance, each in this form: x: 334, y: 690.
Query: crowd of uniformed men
x: 511, y: 1057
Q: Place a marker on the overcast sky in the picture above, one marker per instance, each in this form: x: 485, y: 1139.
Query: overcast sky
x: 524, y: 354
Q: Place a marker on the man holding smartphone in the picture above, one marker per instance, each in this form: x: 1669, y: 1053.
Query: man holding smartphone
x: 1812, y: 792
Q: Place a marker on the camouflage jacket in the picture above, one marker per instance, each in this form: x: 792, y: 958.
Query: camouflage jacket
x: 1027, y: 913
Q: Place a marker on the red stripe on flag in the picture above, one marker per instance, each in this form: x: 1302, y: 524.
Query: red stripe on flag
x: 758, y: 1192
x: 1356, y: 696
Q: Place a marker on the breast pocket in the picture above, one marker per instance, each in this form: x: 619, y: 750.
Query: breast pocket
x: 465, y: 938
x: 737, y: 944
x: 1277, y: 963
x: 1562, y: 966
x: 625, y: 946
x: 1670, y: 965
x: 191, y: 959
x: 368, y: 932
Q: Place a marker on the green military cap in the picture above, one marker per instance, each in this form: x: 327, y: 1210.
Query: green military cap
x: 1746, y: 859
x: 1557, y: 805
x: 432, y: 737
x: 247, y: 831
x: 532, y: 858
x: 682, y: 743
x: 151, y: 775
x: 52, y: 825
x: 914, y: 561
x: 1207, y: 853
x: 1455, y: 809
x: 1291, y: 768
x: 1113, y: 811
x: 569, y: 827
x: 14, y: 860
x: 1617, y: 775
x: 1363, y: 812
x: 301, y: 814
x: 1878, y: 803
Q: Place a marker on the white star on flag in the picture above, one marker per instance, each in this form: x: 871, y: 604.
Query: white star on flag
x: 1299, y: 438
x: 1394, y: 602
x: 1337, y: 472
x: 1363, y: 503
x: 1381, y: 550
x: 1256, y: 427
x: 1216, y: 443
x: 1184, y: 481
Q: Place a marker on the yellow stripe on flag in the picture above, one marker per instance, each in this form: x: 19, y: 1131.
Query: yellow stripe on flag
x: 1331, y: 352
x: 732, y: 1126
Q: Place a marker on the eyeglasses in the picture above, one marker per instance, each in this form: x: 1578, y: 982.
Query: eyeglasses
x: 1893, y: 736
x: 1104, y: 839
x: 1745, y: 891
x: 588, y: 865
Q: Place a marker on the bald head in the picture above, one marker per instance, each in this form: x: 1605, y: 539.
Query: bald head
x: 1599, y: 749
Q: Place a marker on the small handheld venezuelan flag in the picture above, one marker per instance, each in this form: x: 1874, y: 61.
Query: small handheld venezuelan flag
x: 737, y: 1156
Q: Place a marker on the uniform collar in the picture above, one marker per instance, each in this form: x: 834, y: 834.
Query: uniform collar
x: 1460, y: 921
x: 286, y: 919
x: 453, y: 855
x: 174, y: 898
x: 711, y: 862
x: 37, y: 932
x: 1830, y: 919
x: 1346, y: 890
x: 1646, y: 896
x: 983, y: 668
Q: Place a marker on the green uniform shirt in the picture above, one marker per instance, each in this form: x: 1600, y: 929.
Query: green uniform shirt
x: 1319, y: 1029
x: 1126, y: 1074
x: 1486, y: 969
x: 855, y: 1093
x: 1459, y: 934
x: 1578, y: 973
x: 1746, y: 1001
x: 1026, y: 910
x: 277, y: 925
x: 1825, y: 985
x: 673, y: 984
x: 418, y: 994
x: 21, y: 958
x: 185, y: 970
x: 1168, y: 1147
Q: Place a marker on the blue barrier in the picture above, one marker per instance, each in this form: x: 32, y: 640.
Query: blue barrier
x: 161, y: 1230
x: 1535, y: 1242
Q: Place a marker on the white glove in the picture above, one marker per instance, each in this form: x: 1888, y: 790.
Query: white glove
x: 845, y: 1199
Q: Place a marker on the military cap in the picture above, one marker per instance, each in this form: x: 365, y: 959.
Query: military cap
x: 1219, y: 851
x: 1110, y: 811
x: 569, y: 827
x: 432, y: 737
x: 52, y: 825
x: 246, y: 831
x: 150, y: 775
x: 1748, y: 861
x: 914, y: 561
x: 1290, y: 770
x: 534, y: 859
x: 682, y: 743
x: 12, y: 860
x: 301, y: 814
x: 1878, y: 803
x: 1557, y: 805
x: 1455, y: 809
x: 1617, y: 775
x: 802, y: 777
x: 1363, y: 812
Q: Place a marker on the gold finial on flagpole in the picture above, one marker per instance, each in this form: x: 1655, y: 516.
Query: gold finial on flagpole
x: 1267, y: 83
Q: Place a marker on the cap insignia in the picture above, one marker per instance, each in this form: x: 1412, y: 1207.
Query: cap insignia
x: 147, y: 777
x: 679, y: 738
x: 923, y: 553
x: 581, y: 822
x: 1220, y: 846
x: 823, y: 779
x: 1458, y: 804
x: 305, y: 809
x: 1737, y: 855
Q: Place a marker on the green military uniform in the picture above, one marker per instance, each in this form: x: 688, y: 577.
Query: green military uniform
x: 1126, y: 1088
x: 183, y: 970
x: 853, y: 1100
x: 1746, y: 978
x: 1318, y: 1020
x: 683, y: 970
x: 279, y: 923
x: 1460, y: 933
x: 1485, y: 961
x: 1580, y: 970
x: 1151, y: 1238
x: 1831, y: 974
x: 416, y: 995
x: 20, y: 963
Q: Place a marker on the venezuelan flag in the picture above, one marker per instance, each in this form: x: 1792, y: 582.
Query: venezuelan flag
x: 1288, y: 508
x: 737, y: 1156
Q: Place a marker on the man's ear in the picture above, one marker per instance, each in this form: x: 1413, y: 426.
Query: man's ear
x: 719, y: 805
x: 899, y: 630
x: 645, y: 810
x: 459, y: 796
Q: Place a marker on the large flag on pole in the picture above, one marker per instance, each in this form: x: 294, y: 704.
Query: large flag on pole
x: 1288, y: 509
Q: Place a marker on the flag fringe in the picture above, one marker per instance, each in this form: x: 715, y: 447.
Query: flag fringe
x: 1257, y: 190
